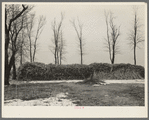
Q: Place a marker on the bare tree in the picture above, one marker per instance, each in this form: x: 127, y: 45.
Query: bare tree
x: 30, y: 33
x: 56, y: 28
x: 23, y: 46
x: 135, y: 36
x: 17, y: 26
x: 79, y: 29
x: 41, y: 23
x: 30, y: 29
x: 15, y: 41
x: 10, y: 17
x: 62, y: 45
x: 113, y: 32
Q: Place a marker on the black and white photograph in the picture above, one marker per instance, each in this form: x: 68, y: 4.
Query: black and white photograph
x: 74, y: 59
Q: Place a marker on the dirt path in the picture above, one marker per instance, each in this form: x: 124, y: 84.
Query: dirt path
x: 59, y: 100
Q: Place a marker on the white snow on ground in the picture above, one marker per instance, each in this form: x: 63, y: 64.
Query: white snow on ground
x: 124, y: 81
x: 59, y: 100
x: 52, y: 81
x: 119, y: 81
x: 57, y: 81
x: 75, y: 81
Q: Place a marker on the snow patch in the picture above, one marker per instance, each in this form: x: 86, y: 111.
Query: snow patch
x: 59, y: 100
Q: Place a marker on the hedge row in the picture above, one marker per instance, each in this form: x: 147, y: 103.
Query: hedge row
x: 40, y: 71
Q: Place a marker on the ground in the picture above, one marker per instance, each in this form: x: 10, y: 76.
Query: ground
x: 74, y: 94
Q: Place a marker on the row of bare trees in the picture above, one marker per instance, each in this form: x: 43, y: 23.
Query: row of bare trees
x: 22, y: 33
x: 34, y: 36
x: 113, y: 33
x: 19, y: 36
x: 58, y: 49
x: 111, y: 40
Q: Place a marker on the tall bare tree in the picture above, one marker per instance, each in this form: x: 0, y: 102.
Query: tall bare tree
x: 30, y: 33
x: 57, y: 39
x: 62, y: 51
x: 135, y: 35
x: 41, y: 23
x: 10, y: 17
x: 23, y: 46
x: 17, y: 26
x: 113, y: 32
x: 79, y: 29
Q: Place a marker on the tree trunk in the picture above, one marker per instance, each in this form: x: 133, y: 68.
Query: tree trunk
x: 81, y: 59
x: 14, y: 71
x: 113, y: 54
x: 6, y: 57
x: 81, y: 51
x: 134, y: 54
x: 34, y: 53
x: 60, y: 58
x: 135, y: 38
x: 55, y: 55
x: 31, y: 52
x: 7, y: 69
x: 7, y: 73
x: 21, y: 56
x: 57, y: 58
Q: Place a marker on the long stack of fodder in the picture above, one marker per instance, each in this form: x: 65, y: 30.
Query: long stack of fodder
x: 127, y: 71
x: 40, y: 71
x: 120, y: 72
x: 31, y: 71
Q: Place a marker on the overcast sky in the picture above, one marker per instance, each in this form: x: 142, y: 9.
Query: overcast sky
x: 94, y: 31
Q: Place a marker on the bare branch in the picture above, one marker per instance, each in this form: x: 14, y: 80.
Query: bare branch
x: 41, y: 23
x: 135, y: 34
x: 79, y: 33
x: 58, y: 40
x: 113, y: 32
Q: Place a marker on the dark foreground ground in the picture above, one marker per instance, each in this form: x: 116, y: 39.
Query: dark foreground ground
x: 82, y: 94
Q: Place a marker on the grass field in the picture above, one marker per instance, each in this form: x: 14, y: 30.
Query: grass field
x: 82, y: 94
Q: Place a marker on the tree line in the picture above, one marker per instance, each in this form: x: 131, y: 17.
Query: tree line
x: 23, y: 29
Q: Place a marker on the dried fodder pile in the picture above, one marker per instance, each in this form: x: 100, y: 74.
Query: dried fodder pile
x: 127, y: 71
x: 40, y: 71
x: 31, y: 71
